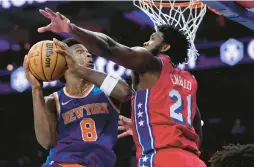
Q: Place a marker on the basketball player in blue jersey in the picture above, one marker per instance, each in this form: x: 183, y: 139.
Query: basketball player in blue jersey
x: 79, y: 122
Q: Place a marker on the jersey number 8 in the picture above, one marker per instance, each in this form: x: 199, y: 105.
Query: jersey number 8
x: 177, y: 107
x: 88, y: 129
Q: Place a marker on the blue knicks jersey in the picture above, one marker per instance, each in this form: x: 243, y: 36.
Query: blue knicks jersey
x: 87, y: 129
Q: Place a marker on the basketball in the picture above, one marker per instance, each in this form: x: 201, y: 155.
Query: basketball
x: 44, y: 63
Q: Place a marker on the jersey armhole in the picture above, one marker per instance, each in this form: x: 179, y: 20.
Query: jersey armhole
x: 113, y: 105
x: 58, y: 109
x: 160, y: 81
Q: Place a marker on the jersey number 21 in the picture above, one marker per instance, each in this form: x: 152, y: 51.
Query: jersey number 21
x: 177, y: 107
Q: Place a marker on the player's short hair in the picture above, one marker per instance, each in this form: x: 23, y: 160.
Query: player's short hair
x: 178, y: 51
x: 234, y: 156
x: 70, y: 42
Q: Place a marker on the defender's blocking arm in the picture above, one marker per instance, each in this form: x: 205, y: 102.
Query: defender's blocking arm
x: 112, y: 86
x: 137, y: 58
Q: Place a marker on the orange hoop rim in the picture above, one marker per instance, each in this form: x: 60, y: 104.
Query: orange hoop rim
x: 196, y: 4
x: 183, y: 4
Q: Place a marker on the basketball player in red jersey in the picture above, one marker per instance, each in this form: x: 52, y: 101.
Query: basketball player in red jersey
x: 166, y: 123
x: 78, y: 123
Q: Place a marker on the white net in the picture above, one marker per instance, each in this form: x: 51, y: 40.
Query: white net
x: 184, y: 16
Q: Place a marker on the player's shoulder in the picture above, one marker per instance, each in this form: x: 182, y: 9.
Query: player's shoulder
x: 99, y: 94
x: 192, y: 79
x: 49, y: 97
x: 138, y: 48
x: 189, y: 76
x: 165, y: 60
x: 54, y: 96
x: 51, y: 101
x: 185, y: 73
x: 97, y: 91
x: 142, y: 51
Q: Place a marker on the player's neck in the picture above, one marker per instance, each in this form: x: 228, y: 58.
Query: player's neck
x: 78, y: 88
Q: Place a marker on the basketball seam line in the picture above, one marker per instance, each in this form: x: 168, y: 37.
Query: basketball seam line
x: 42, y: 63
x: 55, y: 65
x: 33, y: 72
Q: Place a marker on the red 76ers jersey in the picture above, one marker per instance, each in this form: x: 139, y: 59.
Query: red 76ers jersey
x: 163, y: 115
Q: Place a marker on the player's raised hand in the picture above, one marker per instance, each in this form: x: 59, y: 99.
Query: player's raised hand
x: 32, y: 80
x: 125, y: 124
x: 59, y: 23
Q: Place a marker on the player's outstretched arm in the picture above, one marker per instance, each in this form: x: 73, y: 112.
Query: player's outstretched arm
x: 115, y: 87
x: 197, y: 126
x: 45, y: 120
x: 112, y: 86
x: 138, y: 58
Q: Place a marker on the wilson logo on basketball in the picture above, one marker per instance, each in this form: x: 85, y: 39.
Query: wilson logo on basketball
x: 49, y: 51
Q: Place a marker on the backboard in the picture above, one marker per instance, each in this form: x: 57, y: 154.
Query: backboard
x: 234, y: 11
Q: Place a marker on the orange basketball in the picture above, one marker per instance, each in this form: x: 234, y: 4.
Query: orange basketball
x: 44, y: 63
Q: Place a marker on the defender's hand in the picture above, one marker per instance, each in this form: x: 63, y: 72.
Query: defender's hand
x: 67, y: 52
x: 125, y: 124
x: 59, y: 23
x: 32, y: 80
x: 72, y: 62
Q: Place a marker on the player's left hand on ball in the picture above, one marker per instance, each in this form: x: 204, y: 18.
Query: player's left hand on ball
x: 59, y: 23
x: 32, y: 80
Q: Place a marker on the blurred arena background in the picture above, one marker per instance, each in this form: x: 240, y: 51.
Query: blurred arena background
x: 224, y: 71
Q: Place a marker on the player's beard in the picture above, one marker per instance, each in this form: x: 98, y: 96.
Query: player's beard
x: 155, y: 50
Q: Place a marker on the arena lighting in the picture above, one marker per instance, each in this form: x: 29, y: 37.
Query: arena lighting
x: 4, y: 45
x: 104, y: 65
x: 250, y: 49
x: 20, y: 83
x: 18, y: 80
x: 6, y: 4
x: 191, y: 65
x: 231, y: 52
x: 15, y: 47
x: 9, y: 67
x: 50, y: 84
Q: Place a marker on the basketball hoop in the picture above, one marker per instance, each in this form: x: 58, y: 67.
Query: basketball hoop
x: 186, y: 16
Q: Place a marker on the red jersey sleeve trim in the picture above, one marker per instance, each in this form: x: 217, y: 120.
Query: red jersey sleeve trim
x: 165, y: 69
